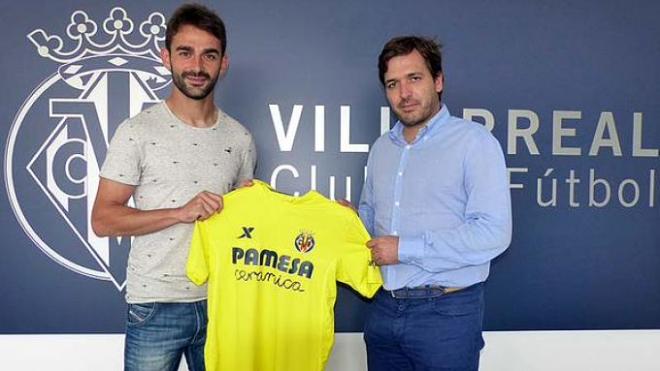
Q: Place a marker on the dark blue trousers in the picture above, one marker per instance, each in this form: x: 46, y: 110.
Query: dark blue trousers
x: 425, y: 333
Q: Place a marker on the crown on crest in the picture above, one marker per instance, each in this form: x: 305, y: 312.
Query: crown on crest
x: 114, y: 40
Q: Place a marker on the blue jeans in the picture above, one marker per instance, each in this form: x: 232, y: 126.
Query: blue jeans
x: 428, y: 333
x: 157, y: 334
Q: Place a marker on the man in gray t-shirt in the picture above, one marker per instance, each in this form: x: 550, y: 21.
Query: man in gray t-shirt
x: 175, y: 160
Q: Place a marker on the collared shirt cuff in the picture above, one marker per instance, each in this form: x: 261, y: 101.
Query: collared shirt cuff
x: 411, y: 250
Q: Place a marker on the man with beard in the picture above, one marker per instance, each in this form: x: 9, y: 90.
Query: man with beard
x: 436, y: 199
x: 175, y: 159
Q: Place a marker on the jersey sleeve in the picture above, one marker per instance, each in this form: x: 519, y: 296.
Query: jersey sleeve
x: 198, y: 261
x: 355, y: 267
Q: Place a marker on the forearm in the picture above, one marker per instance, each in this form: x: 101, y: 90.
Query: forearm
x: 122, y: 220
x: 367, y: 216
x: 365, y: 206
x: 475, y: 242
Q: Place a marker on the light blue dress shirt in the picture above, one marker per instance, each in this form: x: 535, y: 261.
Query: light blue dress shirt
x: 446, y: 196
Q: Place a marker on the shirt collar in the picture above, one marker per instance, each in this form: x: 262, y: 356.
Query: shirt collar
x: 429, y: 130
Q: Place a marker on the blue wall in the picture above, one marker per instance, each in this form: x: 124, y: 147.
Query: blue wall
x: 586, y: 72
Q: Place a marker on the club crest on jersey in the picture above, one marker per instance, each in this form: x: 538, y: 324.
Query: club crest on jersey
x: 305, y: 242
x: 107, y: 71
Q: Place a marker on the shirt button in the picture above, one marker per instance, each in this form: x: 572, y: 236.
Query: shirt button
x: 396, y: 204
x: 395, y: 233
x: 408, y: 146
x: 400, y: 173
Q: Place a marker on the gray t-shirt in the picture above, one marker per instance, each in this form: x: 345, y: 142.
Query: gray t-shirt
x: 170, y: 162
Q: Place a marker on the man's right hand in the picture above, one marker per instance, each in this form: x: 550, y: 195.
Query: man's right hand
x: 348, y: 204
x: 200, y: 207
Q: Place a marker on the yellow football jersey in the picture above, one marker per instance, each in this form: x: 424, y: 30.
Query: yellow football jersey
x: 272, y: 262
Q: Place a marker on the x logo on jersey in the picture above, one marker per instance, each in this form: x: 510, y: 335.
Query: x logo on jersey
x: 247, y: 232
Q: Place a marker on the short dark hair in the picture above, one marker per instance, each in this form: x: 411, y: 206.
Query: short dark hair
x: 404, y: 45
x: 199, y: 16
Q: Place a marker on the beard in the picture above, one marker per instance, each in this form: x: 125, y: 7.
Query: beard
x: 420, y: 115
x: 193, y: 92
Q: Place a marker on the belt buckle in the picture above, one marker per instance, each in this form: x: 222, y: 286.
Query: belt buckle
x: 401, y: 293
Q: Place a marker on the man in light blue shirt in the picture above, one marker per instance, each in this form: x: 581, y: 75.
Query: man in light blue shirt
x: 436, y: 199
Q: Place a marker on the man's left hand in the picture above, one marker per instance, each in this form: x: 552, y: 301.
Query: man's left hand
x: 384, y: 250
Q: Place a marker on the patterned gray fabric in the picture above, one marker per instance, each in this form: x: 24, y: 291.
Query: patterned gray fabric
x: 169, y: 162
